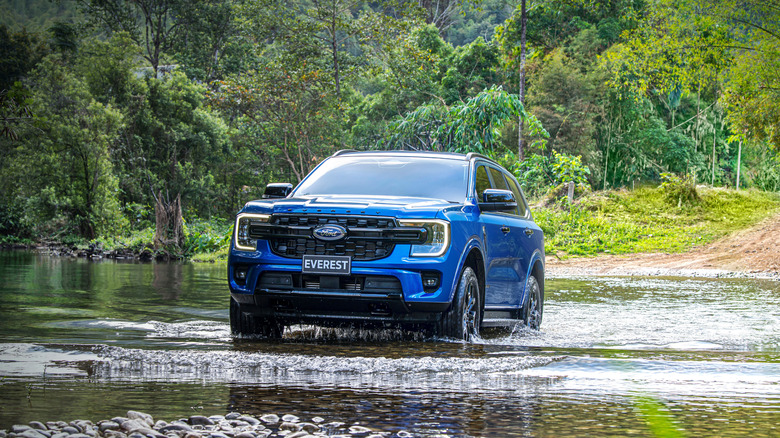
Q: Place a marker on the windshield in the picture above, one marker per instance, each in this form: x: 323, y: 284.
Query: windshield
x: 389, y: 176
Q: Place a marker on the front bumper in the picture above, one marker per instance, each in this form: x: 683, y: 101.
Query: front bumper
x: 382, y: 292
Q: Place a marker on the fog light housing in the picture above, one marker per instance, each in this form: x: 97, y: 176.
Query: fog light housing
x: 240, y: 273
x: 431, y: 280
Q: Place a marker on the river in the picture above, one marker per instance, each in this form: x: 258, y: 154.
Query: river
x: 616, y: 356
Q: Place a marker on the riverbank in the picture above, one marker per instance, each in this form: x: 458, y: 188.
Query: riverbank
x: 751, y: 253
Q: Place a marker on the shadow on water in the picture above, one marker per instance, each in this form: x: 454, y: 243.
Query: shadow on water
x: 91, y: 340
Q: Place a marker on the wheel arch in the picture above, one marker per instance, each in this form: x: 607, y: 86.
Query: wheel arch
x: 473, y: 257
x: 535, y: 268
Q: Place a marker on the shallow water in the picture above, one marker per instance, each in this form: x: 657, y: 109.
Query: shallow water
x: 91, y: 340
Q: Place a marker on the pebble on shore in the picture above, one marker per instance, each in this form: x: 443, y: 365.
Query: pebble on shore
x: 233, y: 425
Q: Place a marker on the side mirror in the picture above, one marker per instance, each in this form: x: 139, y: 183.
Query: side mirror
x: 277, y: 190
x: 498, y: 200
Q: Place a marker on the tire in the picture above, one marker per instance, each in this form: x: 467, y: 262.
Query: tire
x: 533, y: 308
x: 464, y: 317
x: 247, y: 324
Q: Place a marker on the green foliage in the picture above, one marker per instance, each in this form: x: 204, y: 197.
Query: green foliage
x: 567, y: 168
x: 644, y: 220
x: 207, y: 236
x: 263, y: 90
x: 538, y: 174
x: 471, y: 126
x: 679, y: 189
x: 70, y: 141
x: 19, y: 53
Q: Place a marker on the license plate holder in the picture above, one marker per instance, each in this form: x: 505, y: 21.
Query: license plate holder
x: 326, y: 264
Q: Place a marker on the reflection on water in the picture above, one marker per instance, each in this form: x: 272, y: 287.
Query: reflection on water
x: 91, y: 340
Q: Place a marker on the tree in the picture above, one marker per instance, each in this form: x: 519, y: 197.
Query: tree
x: 62, y: 164
x: 287, y: 110
x: 152, y: 24
x: 471, y: 126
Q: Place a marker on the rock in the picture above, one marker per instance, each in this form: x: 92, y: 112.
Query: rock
x: 133, y: 425
x: 114, y: 434
x: 84, y: 425
x: 290, y: 418
x: 309, y: 427
x: 119, y: 420
x: 300, y: 434
x: 200, y: 420
x: 108, y: 425
x: 245, y: 435
x: 158, y: 424
x: 30, y: 433
x: 19, y: 428
x: 79, y: 435
x: 146, y: 418
x: 175, y: 426
x: 60, y: 435
x: 38, y: 425
x: 193, y: 435
x: 318, y: 420
x: 270, y: 419
x: 251, y: 420
x: 358, y: 429
x: 232, y: 416
x: 148, y: 432
x: 217, y: 435
x: 290, y: 426
x: 70, y: 430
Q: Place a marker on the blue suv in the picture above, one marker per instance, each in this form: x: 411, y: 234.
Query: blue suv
x: 440, y: 242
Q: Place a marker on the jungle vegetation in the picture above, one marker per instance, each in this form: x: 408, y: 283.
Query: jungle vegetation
x: 118, y: 117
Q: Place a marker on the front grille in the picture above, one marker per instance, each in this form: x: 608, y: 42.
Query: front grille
x: 368, y: 237
x: 381, y: 284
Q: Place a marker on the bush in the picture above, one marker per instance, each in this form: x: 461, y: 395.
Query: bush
x: 679, y: 189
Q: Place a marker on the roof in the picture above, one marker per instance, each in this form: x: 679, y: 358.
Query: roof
x: 447, y: 155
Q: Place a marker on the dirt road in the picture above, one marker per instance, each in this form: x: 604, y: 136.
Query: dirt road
x: 750, y: 253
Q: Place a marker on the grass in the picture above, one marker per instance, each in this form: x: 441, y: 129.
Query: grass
x: 649, y: 220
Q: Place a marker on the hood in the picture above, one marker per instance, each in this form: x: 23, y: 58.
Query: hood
x: 348, y: 204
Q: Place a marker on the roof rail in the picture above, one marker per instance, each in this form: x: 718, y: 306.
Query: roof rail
x: 471, y: 155
x: 343, y: 151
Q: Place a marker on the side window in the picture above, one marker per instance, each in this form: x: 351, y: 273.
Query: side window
x: 498, y: 179
x: 521, y: 207
x: 482, y: 183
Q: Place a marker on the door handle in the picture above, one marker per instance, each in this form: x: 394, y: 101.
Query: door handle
x: 505, y: 229
x: 529, y: 232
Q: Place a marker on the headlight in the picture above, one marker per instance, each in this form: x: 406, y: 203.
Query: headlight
x: 438, y: 237
x: 242, y: 240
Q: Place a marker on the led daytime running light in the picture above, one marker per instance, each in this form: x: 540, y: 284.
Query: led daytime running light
x: 242, y: 241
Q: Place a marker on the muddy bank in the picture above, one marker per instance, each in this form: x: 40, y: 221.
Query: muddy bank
x: 751, y: 253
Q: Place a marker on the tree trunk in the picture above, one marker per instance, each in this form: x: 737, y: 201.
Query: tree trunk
x: 521, y: 85
x: 169, y: 233
x: 739, y: 162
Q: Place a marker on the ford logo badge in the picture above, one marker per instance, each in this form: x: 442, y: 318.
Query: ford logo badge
x: 329, y: 232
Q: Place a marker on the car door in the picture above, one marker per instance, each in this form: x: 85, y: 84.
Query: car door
x: 502, y: 234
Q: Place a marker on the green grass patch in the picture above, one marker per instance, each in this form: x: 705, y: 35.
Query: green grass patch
x: 649, y: 220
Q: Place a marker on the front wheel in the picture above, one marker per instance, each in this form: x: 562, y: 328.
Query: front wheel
x: 246, y: 324
x: 464, y: 317
x: 534, y: 304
